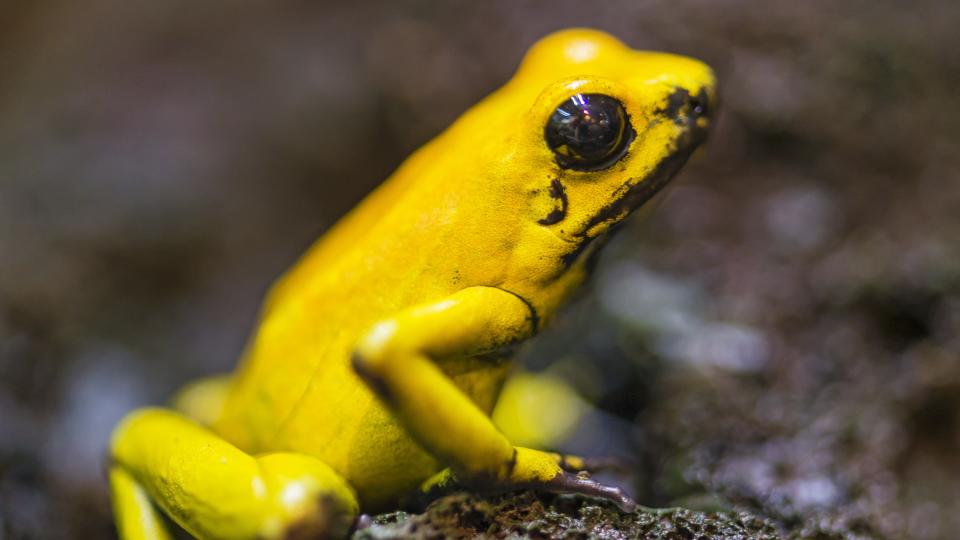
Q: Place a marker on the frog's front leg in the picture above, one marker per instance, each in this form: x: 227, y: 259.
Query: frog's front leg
x: 213, y: 489
x: 396, y: 359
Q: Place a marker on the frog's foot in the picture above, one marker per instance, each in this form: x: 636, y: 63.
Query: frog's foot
x: 581, y: 483
x: 161, y: 460
x: 532, y: 469
x: 446, y: 482
x: 543, y: 470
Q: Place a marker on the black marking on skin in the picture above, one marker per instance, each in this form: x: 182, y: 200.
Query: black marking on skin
x: 681, y: 101
x: 534, y: 316
x: 374, y: 381
x: 675, y: 103
x: 558, y: 193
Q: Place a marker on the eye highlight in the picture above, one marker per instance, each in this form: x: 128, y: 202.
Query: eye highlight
x: 588, y: 132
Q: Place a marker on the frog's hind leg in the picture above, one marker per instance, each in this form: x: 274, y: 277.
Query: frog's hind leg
x: 137, y: 517
x: 215, y: 490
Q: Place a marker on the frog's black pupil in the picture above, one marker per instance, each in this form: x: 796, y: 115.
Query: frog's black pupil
x: 588, y: 132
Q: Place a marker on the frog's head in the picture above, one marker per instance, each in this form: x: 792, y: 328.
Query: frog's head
x: 604, y: 128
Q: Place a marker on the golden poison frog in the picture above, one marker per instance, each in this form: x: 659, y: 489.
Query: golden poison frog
x: 379, y: 356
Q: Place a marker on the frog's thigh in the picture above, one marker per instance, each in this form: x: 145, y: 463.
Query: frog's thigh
x: 213, y: 489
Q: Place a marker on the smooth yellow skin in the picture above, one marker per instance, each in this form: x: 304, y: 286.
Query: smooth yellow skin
x: 380, y: 354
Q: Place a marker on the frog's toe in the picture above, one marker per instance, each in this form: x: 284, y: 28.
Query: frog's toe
x: 582, y: 484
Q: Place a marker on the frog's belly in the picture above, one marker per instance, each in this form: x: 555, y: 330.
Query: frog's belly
x: 342, y: 422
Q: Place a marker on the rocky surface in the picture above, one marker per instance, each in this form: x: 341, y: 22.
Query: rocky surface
x: 541, y: 516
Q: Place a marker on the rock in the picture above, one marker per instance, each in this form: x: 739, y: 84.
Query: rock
x: 538, y: 515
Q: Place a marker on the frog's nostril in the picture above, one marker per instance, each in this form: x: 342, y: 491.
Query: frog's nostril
x: 699, y: 105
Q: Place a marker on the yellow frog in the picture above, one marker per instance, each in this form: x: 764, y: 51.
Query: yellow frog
x: 380, y: 354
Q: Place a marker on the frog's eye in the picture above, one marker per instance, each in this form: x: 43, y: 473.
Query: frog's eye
x: 588, y: 132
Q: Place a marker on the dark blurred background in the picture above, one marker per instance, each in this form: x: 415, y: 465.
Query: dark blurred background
x: 782, y: 334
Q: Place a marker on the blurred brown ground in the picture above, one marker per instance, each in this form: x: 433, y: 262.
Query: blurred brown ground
x: 783, y: 332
